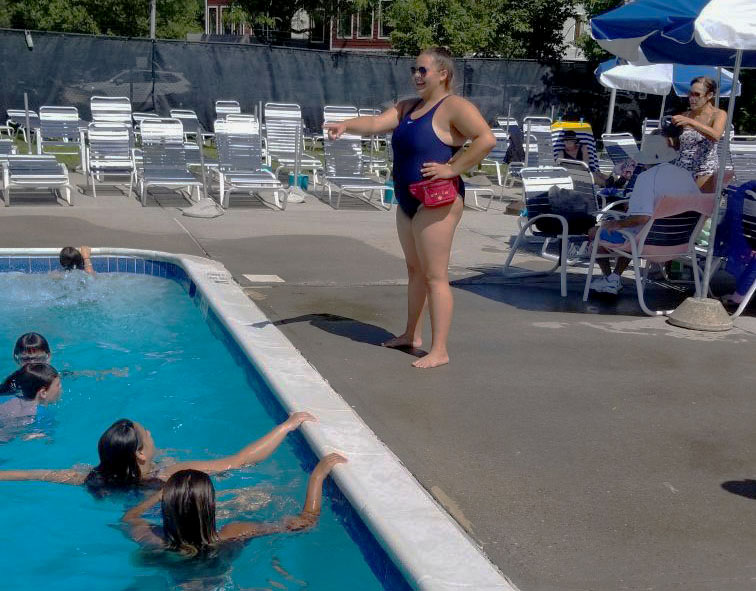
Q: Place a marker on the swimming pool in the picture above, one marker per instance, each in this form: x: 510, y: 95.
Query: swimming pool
x: 151, y: 353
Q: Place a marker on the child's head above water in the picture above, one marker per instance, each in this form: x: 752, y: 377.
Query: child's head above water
x: 31, y: 347
x: 188, y: 508
x: 34, y: 381
x: 124, y: 449
x: 71, y: 258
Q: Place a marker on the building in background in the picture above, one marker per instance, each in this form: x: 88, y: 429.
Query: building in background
x: 365, y: 30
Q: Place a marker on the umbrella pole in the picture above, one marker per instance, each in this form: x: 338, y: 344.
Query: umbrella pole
x: 719, y: 87
x: 702, y: 313
x: 664, y: 104
x: 610, y: 115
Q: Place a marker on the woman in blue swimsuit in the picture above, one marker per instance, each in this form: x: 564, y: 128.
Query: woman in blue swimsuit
x: 427, y: 135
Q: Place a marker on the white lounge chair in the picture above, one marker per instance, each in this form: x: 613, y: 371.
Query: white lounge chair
x: 283, y: 133
x: 35, y: 172
x: 109, y: 153
x: 110, y: 109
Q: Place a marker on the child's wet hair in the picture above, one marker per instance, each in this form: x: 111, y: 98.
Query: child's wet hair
x: 118, y: 467
x: 71, y: 258
x: 31, y: 347
x: 29, y: 380
x: 188, y: 508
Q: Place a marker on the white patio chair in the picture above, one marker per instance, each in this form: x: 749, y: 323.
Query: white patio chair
x: 669, y: 235
x: 584, y: 137
x: 59, y: 127
x: 7, y: 147
x: 496, y: 156
x: 191, y: 125
x: 35, y: 172
x: 539, y: 129
x: 110, y: 109
x: 582, y: 179
x: 283, y: 132
x: 536, y: 183
x: 109, y: 154
x: 226, y: 107
x: 240, y: 160
x: 345, y: 166
x: 648, y: 127
x: 620, y: 147
x: 743, y: 155
x: 17, y: 120
x: 164, y: 158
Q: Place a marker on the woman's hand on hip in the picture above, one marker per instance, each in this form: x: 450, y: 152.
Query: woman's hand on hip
x: 433, y: 170
x: 335, y: 130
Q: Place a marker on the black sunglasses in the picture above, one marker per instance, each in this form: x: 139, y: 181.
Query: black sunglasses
x: 422, y: 70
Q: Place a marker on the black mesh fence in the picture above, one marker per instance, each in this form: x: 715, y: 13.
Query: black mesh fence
x: 64, y: 69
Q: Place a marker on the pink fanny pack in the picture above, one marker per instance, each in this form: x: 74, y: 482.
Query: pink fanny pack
x: 436, y: 192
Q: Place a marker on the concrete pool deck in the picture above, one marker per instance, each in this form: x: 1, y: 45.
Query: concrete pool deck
x: 584, y: 447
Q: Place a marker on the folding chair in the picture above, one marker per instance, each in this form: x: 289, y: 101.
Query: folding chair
x: 164, y: 158
x: 283, y: 133
x: 35, y: 172
x: 536, y: 183
x: 109, y: 153
x: 240, y: 159
x: 344, y: 168
x: 110, y: 109
x: 670, y: 234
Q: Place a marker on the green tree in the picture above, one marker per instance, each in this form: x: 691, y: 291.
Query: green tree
x: 127, y: 18
x: 485, y: 28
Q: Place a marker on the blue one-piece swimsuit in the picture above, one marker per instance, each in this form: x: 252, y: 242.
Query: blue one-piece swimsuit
x: 414, y: 142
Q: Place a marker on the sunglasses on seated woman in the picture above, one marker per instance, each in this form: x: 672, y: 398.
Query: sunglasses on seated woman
x: 422, y: 70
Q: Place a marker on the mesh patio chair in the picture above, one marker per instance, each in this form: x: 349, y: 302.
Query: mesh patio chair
x: 226, y: 107
x: 548, y: 226
x: 35, y: 172
x: 743, y: 156
x: 109, y: 154
x: 191, y: 125
x: 164, y: 158
x: 59, y: 127
x: 620, y: 147
x: 669, y: 235
x: 240, y: 168
x: 283, y: 133
x: 582, y: 179
x: 7, y: 147
x: 345, y: 167
x: 538, y: 129
x: 17, y: 121
x: 110, y: 109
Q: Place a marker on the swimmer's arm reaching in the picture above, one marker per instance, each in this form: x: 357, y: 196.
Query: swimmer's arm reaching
x: 86, y: 253
x: 239, y: 530
x: 139, y: 528
x: 253, y: 453
x: 60, y: 476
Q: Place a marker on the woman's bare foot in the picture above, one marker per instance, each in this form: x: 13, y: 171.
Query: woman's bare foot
x: 403, y: 341
x: 431, y: 360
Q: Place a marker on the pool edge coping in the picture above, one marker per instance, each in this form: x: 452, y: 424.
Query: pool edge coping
x: 374, y: 477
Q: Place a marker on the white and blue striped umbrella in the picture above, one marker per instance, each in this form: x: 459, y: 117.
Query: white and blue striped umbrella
x: 658, y: 78
x: 694, y: 32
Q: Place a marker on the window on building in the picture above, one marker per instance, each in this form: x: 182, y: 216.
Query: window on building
x: 344, y: 30
x: 365, y: 24
x: 384, y: 29
x: 211, y: 26
x: 227, y: 26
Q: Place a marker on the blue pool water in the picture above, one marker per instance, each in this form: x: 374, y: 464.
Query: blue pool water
x: 140, y: 348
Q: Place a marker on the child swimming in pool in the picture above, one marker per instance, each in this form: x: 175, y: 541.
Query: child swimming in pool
x: 32, y: 386
x: 31, y: 347
x: 127, y: 451
x: 188, y: 508
x: 72, y: 258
